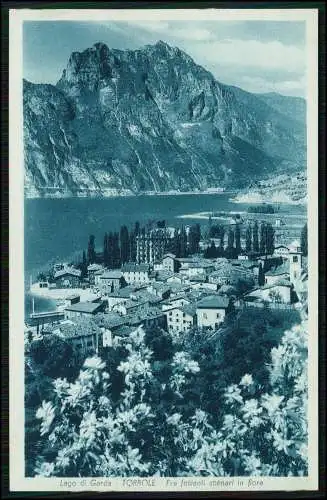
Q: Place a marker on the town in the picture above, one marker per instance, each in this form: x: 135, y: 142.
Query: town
x: 169, y: 278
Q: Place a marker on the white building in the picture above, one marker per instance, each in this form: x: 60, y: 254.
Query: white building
x: 279, y: 292
x: 168, y: 262
x: 211, y: 311
x: 94, y: 270
x: 111, y: 280
x: 295, y: 261
x: 281, y: 251
x: 136, y: 273
x: 120, y: 296
x: 172, y: 303
x: 181, y: 319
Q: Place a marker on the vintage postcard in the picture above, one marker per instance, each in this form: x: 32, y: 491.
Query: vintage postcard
x: 163, y: 250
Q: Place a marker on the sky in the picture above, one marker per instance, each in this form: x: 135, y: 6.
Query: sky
x: 258, y: 56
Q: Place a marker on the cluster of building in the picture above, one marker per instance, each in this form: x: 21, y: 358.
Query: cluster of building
x: 176, y: 294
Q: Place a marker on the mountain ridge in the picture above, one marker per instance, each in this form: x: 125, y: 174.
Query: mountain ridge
x: 151, y: 119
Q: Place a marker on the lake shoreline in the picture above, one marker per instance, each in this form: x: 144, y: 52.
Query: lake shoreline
x: 102, y: 196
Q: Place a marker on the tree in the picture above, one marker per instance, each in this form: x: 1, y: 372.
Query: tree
x: 53, y: 356
x: 124, y: 245
x: 183, y: 242
x: 215, y: 231
x: 41, y: 277
x: 211, y: 251
x: 160, y: 342
x: 105, y: 250
x: 115, y: 251
x: 261, y: 275
x: 248, y: 239
x: 194, y: 238
x: 304, y: 240
x: 230, y: 238
x: 255, y: 239
x: 179, y: 242
x: 84, y: 266
x: 270, y: 239
x: 110, y: 250
x: 263, y: 238
x: 133, y: 236
x: 238, y: 239
x: 222, y: 238
x: 91, y: 257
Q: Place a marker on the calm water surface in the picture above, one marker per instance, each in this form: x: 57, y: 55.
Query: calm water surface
x: 58, y: 229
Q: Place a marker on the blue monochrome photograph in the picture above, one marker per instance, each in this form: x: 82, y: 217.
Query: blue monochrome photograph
x: 165, y: 248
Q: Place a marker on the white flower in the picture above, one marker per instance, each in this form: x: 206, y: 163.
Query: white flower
x: 60, y: 386
x: 45, y: 469
x: 251, y: 409
x: 233, y: 394
x: 104, y: 401
x: 94, y: 363
x: 200, y: 417
x: 280, y: 443
x: 303, y: 451
x: 229, y: 422
x: 76, y: 392
x: 137, y: 337
x: 253, y: 465
x: 272, y: 403
x: 174, y: 419
x: 88, y: 426
x: 246, y: 380
x: 63, y: 459
x: 255, y: 422
x: 47, y: 413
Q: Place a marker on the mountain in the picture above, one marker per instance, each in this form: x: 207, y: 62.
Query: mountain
x: 123, y: 121
x: 292, y: 107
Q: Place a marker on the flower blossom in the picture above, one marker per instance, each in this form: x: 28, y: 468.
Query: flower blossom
x: 47, y: 413
x: 45, y: 469
x: 94, y: 363
x: 246, y: 380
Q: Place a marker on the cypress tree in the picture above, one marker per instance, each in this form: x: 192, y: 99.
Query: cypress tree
x: 124, y: 245
x: 105, y: 250
x: 238, y: 239
x: 304, y: 240
x: 194, y: 238
x: 230, y: 238
x: 211, y: 252
x: 270, y: 239
x: 183, y: 242
x: 261, y: 275
x: 222, y: 238
x: 248, y: 239
x: 91, y: 250
x: 115, y: 251
x: 110, y: 251
x: 255, y: 237
x: 84, y: 265
x: 263, y: 237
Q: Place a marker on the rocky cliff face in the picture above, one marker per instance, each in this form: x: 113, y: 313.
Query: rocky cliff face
x: 149, y: 120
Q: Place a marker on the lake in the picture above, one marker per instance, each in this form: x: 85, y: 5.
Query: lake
x: 58, y: 229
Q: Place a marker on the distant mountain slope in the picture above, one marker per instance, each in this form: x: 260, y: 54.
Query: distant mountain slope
x: 292, y: 107
x: 149, y: 119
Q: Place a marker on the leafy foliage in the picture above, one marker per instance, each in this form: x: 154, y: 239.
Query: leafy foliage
x: 153, y: 429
